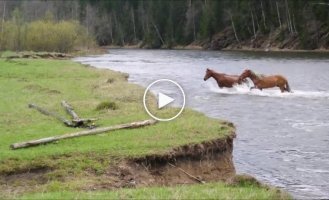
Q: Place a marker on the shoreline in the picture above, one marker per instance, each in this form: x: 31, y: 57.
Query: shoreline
x: 198, y: 47
x: 153, y: 159
x: 31, y: 167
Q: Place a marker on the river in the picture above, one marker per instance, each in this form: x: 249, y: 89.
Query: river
x: 282, y: 139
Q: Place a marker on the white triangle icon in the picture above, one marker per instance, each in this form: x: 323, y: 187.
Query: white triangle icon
x: 164, y: 100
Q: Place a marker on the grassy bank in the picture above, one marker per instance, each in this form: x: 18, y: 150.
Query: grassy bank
x: 47, y: 82
x: 206, y: 191
x: 70, y: 165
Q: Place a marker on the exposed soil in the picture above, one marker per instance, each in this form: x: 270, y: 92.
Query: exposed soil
x: 20, y: 181
x: 205, y: 162
x: 208, y: 161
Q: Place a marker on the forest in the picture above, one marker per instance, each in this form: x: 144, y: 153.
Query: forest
x: 211, y: 24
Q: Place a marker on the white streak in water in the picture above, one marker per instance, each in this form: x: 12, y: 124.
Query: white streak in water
x: 244, y: 89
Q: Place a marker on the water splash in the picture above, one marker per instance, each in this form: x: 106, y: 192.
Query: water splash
x: 275, y: 92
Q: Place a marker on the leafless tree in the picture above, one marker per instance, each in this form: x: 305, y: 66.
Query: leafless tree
x: 253, y: 23
x: 190, y: 20
x: 233, y: 26
x: 263, y: 13
x: 279, y: 17
x: 134, y: 24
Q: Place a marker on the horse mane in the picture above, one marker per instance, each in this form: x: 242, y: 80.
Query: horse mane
x: 259, y: 76
x: 252, y: 72
x: 216, y: 73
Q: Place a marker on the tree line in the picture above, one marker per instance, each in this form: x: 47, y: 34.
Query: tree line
x: 167, y: 23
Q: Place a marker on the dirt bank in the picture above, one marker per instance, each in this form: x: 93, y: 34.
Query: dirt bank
x: 209, y: 161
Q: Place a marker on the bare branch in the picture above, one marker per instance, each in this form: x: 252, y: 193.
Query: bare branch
x: 82, y: 133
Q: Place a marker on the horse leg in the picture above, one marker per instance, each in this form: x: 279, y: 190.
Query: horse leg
x: 282, y: 88
x: 255, y: 87
x: 287, y: 87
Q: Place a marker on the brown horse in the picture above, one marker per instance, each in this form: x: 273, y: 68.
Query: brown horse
x: 262, y: 81
x: 223, y: 80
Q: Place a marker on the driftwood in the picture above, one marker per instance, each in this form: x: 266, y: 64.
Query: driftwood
x: 70, y: 111
x: 52, y: 114
x: 82, y: 133
x: 76, y: 120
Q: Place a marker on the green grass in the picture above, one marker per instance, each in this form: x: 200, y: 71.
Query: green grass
x: 5, y: 54
x: 107, y: 105
x: 206, y: 191
x: 48, y: 82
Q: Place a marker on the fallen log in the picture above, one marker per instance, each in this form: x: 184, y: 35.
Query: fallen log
x: 76, y: 120
x: 69, y: 109
x: 82, y: 133
x: 52, y: 114
x: 85, y: 120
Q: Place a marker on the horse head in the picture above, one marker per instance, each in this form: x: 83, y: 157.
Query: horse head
x: 246, y: 73
x: 208, y: 74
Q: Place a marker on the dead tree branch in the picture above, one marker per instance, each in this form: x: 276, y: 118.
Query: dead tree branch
x: 82, y: 133
x: 52, y: 114
x: 76, y: 120
x: 69, y: 109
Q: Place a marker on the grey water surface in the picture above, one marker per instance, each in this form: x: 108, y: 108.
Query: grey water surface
x: 282, y: 139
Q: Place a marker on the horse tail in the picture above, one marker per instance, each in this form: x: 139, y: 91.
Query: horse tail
x: 288, y: 87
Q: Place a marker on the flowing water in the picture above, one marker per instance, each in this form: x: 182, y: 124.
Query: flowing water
x: 282, y: 139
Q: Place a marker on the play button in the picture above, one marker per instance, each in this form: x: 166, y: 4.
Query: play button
x: 164, y: 100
